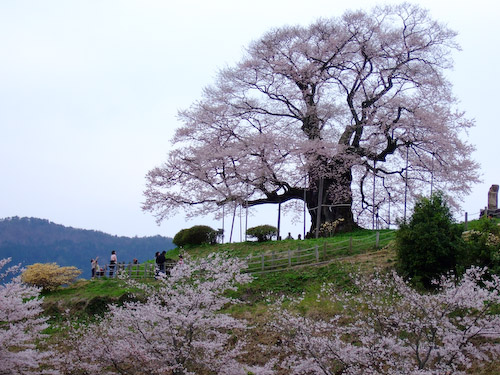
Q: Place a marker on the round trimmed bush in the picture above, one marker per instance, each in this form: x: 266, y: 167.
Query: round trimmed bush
x: 180, y: 238
x: 262, y: 232
x: 197, y: 235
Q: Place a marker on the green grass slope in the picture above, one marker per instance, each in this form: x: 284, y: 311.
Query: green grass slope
x: 353, y: 252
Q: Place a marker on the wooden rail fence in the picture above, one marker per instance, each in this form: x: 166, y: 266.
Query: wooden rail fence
x: 274, y: 261
x: 132, y: 270
x: 269, y: 261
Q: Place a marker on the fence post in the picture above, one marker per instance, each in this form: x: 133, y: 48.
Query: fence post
x: 262, y: 262
x: 129, y: 269
x: 289, y: 258
x: 316, y: 253
x: 466, y: 220
x: 377, y: 240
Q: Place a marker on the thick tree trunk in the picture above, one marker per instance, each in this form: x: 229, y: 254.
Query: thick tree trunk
x: 336, y: 201
x: 335, y: 195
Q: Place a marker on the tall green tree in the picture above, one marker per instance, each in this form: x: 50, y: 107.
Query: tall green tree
x: 427, y: 245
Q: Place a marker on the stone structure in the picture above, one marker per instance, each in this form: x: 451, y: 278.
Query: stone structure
x: 492, y: 209
x: 493, y: 198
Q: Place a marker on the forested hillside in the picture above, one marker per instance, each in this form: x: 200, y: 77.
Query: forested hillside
x: 32, y: 240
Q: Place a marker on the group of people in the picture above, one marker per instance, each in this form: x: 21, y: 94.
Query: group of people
x: 160, y: 259
x: 290, y: 237
x: 98, y: 271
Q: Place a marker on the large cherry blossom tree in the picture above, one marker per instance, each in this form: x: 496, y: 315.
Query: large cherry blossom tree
x: 353, y: 112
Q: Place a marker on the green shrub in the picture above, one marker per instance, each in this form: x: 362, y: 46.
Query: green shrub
x: 180, y: 238
x: 98, y: 305
x: 427, y: 246
x: 201, y: 234
x: 197, y: 235
x: 481, y: 246
x: 262, y: 232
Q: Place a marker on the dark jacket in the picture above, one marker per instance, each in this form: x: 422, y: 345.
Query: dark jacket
x: 161, y: 259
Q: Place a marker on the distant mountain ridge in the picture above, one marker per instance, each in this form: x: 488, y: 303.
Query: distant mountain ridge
x: 33, y: 240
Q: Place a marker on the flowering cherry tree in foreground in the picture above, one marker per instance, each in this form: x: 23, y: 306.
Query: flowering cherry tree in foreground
x: 386, y: 328
x: 21, y: 325
x: 348, y: 111
x: 389, y: 328
x: 178, y: 329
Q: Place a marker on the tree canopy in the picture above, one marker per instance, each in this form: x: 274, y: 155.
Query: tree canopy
x: 429, y: 243
x: 352, y: 112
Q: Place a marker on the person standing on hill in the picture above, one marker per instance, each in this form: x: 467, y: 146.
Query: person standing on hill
x: 157, y: 267
x: 160, y: 260
x: 112, y: 263
x: 94, y: 266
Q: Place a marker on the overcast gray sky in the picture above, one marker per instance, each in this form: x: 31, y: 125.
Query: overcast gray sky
x: 90, y: 89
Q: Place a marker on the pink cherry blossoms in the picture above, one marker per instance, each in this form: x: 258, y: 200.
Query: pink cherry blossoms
x: 353, y: 111
x: 177, y: 329
x: 21, y: 325
x: 179, y: 326
x: 389, y: 328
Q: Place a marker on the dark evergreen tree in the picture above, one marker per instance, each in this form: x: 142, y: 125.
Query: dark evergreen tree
x: 427, y: 245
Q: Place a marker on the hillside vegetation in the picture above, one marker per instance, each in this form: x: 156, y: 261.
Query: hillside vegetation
x: 86, y: 298
x: 352, y: 252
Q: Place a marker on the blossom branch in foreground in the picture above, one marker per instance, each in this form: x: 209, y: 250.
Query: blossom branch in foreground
x: 389, y: 328
x: 21, y: 325
x: 178, y: 329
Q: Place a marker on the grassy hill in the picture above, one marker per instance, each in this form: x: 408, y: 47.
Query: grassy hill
x: 86, y: 298
x: 347, y: 252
